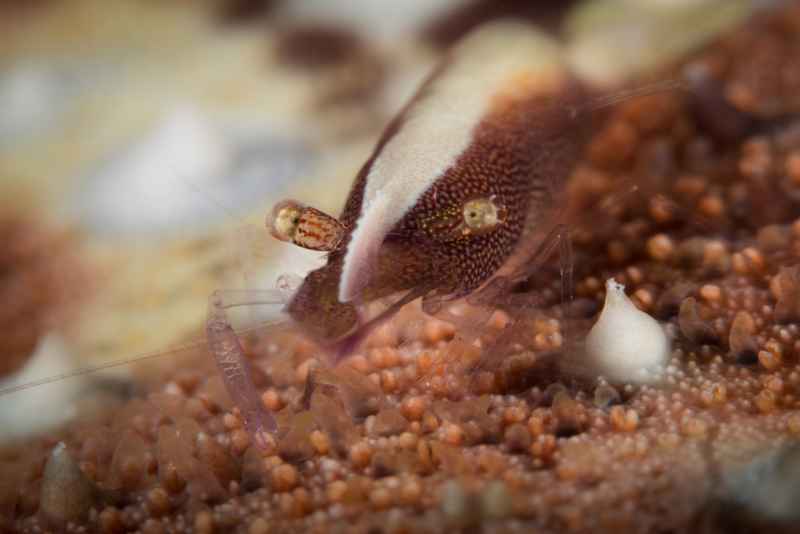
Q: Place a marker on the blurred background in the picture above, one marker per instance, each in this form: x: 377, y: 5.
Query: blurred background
x: 142, y: 143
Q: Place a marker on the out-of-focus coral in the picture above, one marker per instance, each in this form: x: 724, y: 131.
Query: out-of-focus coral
x: 40, y: 278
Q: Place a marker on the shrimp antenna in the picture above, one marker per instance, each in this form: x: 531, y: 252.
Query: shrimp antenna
x: 244, y: 256
x: 118, y: 363
x: 663, y: 86
x: 89, y: 370
x: 210, y: 198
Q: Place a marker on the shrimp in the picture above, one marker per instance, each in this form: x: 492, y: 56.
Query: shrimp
x: 463, y: 197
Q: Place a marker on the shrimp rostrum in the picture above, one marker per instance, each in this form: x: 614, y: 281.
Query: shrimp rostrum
x: 461, y: 198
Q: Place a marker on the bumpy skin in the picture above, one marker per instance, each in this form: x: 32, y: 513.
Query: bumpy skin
x: 520, y: 153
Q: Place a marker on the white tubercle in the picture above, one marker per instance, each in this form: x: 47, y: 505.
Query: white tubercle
x: 626, y: 344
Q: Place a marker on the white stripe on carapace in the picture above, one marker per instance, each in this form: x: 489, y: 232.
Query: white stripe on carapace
x: 437, y: 129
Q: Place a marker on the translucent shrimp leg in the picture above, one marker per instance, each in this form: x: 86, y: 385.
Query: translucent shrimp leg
x: 232, y: 363
x: 345, y: 348
x: 558, y: 237
x: 499, y: 291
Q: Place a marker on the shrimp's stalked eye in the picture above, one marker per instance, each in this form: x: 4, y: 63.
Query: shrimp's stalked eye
x: 305, y: 227
x: 284, y: 220
x: 481, y: 215
x: 477, y: 216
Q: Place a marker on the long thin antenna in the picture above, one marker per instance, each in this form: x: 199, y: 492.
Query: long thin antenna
x: 87, y: 370
x: 227, y: 210
x: 663, y: 86
x: 127, y: 361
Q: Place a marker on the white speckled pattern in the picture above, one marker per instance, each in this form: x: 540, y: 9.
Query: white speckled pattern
x: 436, y: 131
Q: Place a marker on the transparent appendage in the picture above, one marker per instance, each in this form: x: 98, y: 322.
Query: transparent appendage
x: 232, y: 362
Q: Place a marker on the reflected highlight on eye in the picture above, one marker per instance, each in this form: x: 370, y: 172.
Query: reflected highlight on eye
x: 304, y: 226
x: 482, y: 214
x: 285, y: 220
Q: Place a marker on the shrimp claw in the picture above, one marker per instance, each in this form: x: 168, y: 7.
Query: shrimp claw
x: 236, y: 374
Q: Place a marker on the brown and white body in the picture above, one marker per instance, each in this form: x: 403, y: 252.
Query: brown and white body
x: 455, y: 182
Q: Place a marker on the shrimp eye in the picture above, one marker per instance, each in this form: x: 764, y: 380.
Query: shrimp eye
x: 482, y: 214
x: 285, y: 219
x: 305, y: 227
